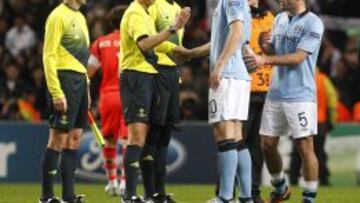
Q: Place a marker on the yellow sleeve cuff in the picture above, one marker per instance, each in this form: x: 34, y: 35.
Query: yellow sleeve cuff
x: 165, y: 47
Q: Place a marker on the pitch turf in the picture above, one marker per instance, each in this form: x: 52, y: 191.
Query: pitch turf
x: 28, y: 193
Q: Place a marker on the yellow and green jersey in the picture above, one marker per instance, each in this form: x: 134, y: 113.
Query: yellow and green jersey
x: 66, y: 46
x: 164, y: 14
x: 137, y: 23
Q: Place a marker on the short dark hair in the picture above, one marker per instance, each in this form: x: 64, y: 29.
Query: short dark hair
x: 116, y: 15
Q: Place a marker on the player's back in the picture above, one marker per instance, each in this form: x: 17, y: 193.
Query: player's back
x: 106, y: 49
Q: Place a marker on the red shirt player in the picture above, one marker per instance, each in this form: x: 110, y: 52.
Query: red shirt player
x: 105, y: 54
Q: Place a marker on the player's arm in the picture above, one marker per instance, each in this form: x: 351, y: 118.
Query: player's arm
x: 266, y: 44
x: 53, y: 33
x: 309, y: 43
x: 94, y: 63
x: 235, y: 18
x: 147, y: 42
x: 200, y: 51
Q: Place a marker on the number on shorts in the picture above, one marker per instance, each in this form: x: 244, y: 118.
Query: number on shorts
x: 212, y: 106
x: 303, y: 120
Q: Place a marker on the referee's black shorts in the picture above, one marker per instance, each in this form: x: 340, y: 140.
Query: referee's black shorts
x: 136, y: 89
x: 74, y: 86
x: 166, y: 108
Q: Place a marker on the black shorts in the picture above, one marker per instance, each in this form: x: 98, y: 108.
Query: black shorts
x: 136, y: 90
x: 74, y: 86
x: 166, y: 108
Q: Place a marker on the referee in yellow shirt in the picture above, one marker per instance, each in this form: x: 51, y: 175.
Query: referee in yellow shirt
x: 142, y: 48
x: 65, y: 56
x: 153, y: 162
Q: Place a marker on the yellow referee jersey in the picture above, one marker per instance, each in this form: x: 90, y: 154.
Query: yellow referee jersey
x: 66, y: 46
x: 164, y: 14
x: 262, y: 76
x: 137, y: 23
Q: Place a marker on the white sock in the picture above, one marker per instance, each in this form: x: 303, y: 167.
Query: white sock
x: 275, y: 178
x: 311, y: 186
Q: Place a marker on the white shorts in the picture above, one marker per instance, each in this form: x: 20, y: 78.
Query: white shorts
x: 230, y: 101
x: 297, y: 119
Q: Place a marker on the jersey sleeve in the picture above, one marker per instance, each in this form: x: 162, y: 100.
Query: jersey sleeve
x: 53, y: 34
x: 165, y: 47
x: 234, y: 10
x: 94, y: 59
x: 137, y: 26
x: 311, y: 37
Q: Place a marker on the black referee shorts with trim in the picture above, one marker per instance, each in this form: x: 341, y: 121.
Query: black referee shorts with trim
x: 166, y: 108
x: 136, y: 89
x: 74, y: 86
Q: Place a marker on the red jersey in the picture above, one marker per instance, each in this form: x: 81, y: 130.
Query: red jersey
x: 105, y: 51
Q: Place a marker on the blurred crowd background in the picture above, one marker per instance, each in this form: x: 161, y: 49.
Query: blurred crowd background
x: 23, y: 88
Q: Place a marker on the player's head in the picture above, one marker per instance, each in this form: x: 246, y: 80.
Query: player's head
x: 291, y: 5
x: 147, y: 3
x: 254, y: 3
x: 79, y: 2
x: 116, y: 14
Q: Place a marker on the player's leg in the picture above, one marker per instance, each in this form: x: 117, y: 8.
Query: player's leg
x: 78, y: 107
x: 227, y: 157
x: 172, y: 108
x: 274, y: 124
x: 109, y: 108
x: 239, y: 104
x: 224, y: 132
x: 295, y: 166
x: 136, y: 95
x: 147, y: 161
x: 244, y: 166
x: 49, y: 165
x: 302, y: 119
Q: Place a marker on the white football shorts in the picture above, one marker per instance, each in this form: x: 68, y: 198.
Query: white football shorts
x: 297, y: 119
x: 230, y: 101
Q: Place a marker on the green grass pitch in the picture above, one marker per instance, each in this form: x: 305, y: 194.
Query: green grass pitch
x: 28, y: 193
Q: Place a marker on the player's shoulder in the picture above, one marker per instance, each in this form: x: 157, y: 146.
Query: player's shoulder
x: 312, y: 17
x: 57, y: 12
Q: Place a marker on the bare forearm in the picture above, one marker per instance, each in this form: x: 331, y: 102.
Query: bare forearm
x: 201, y: 51
x: 287, y: 59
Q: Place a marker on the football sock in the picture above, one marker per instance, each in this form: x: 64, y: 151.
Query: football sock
x: 148, y: 170
x: 132, y: 165
x: 110, y: 165
x: 49, y: 171
x: 310, y: 191
x: 244, y: 171
x: 227, y: 158
x: 68, y: 167
x: 161, y: 160
x: 279, y: 182
x: 122, y: 168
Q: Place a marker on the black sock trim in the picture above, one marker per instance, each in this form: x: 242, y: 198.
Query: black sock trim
x: 309, y: 194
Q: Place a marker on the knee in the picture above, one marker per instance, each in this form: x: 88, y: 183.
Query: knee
x: 73, y: 141
x: 305, y: 147
x: 268, y: 146
x: 57, y: 140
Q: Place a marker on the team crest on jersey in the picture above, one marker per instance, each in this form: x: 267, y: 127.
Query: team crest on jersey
x: 298, y: 29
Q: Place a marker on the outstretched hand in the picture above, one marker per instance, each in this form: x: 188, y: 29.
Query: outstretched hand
x: 182, y: 18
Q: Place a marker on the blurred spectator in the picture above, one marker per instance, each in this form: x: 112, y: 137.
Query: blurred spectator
x: 329, y: 57
x: 20, y: 37
x: 12, y: 86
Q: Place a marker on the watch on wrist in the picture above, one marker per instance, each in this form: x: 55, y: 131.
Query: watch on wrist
x: 172, y: 30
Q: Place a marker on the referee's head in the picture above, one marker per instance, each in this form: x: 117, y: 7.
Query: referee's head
x: 116, y: 15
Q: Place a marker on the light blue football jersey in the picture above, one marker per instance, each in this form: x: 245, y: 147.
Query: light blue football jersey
x: 296, y: 83
x: 226, y: 12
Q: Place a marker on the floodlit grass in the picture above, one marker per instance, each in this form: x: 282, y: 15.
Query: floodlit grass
x: 29, y: 193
